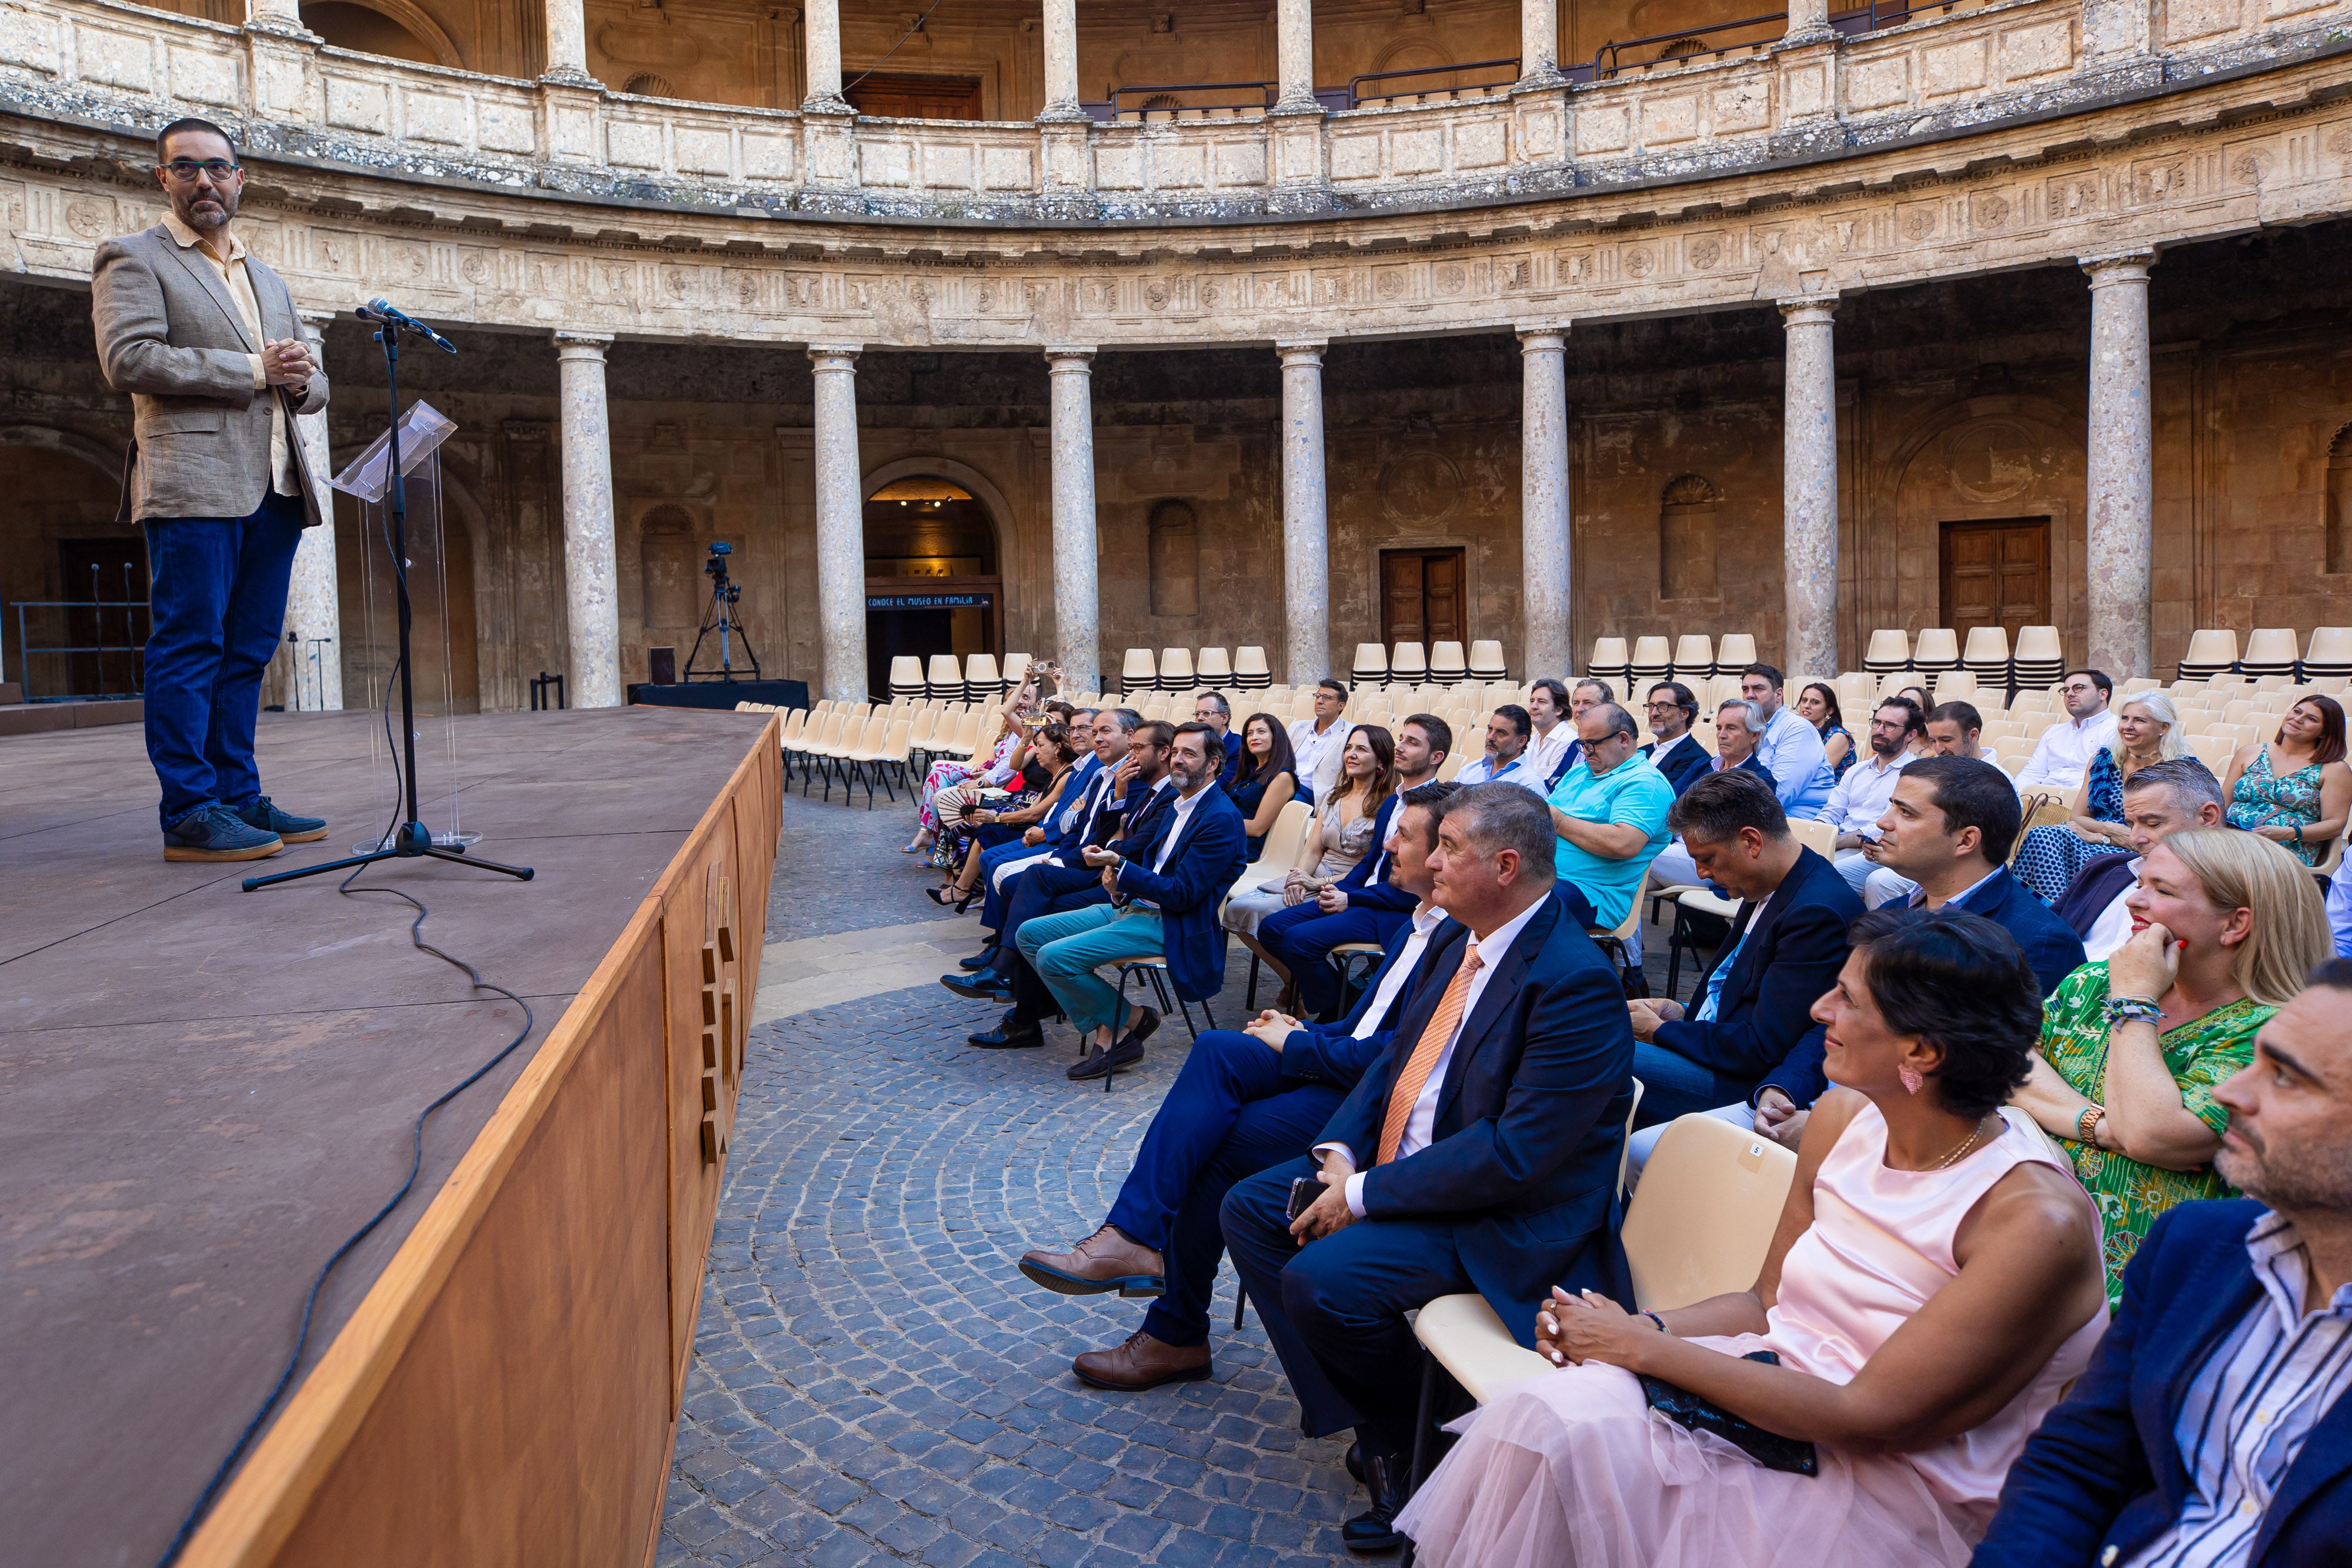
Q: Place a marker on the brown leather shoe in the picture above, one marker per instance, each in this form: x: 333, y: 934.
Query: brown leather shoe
x: 1106, y: 1260
x: 1141, y: 1363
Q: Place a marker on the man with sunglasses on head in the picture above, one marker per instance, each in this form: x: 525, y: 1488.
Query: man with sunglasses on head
x: 205, y: 338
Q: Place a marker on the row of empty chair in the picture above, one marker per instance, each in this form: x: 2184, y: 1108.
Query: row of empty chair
x: 1440, y: 663
x: 951, y: 679
x: 1694, y: 655
x: 2037, y: 660
x: 2269, y: 651
x: 1245, y: 669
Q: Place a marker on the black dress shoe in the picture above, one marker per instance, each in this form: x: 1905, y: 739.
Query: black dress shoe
x: 1143, y: 1030
x: 1356, y: 1461
x: 980, y: 960
x: 1009, y: 1035
x: 988, y: 987
x: 1388, y: 1478
x: 1126, y: 1053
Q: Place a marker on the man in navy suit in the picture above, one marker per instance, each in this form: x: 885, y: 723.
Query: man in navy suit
x: 1787, y: 944
x: 1245, y: 1099
x: 1096, y: 797
x: 1479, y: 1153
x: 1673, y: 751
x: 1165, y: 878
x: 2213, y: 1427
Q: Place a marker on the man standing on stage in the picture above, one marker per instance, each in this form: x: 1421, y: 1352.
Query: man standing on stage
x: 206, y: 339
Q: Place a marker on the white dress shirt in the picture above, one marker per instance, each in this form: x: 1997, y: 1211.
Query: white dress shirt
x: 1179, y: 814
x: 2063, y: 754
x: 1422, y: 1121
x: 1861, y: 797
x: 1316, y: 757
x: 1520, y: 770
x: 2112, y: 928
x: 1426, y: 919
x: 1544, y: 751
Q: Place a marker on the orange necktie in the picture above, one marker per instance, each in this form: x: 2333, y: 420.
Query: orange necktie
x: 1424, y: 1059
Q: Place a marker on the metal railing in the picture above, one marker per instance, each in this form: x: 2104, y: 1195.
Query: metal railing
x: 1358, y: 98
x: 77, y: 650
x: 1609, y: 58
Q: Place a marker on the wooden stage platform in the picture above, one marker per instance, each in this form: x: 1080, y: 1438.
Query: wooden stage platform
x: 203, y: 1091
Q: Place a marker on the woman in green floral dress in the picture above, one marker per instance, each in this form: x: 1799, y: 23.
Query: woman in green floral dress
x: 2225, y: 927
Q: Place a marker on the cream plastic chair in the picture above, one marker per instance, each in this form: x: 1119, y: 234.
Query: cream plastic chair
x: 1936, y: 649
x: 1699, y: 1226
x: 819, y: 753
x: 1693, y: 657
x: 2270, y: 651
x: 2214, y: 751
x: 1611, y: 657
x: 946, y: 678
x: 1371, y: 666
x: 1486, y: 661
x: 1734, y: 652
x: 1250, y: 673
x: 1890, y: 648
x: 2329, y: 653
x: 1176, y: 669
x: 1282, y: 840
x: 884, y: 743
x: 1408, y: 664
x: 906, y: 676
x: 1214, y: 667
x: 1955, y: 685
x: 1818, y: 837
x: 1652, y: 659
x: 981, y: 677
x: 1138, y: 672
x: 2211, y: 652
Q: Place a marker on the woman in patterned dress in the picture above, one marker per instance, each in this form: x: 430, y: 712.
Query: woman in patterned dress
x: 1004, y: 743
x: 2147, y: 730
x: 1818, y: 705
x: 2225, y: 925
x: 2294, y: 789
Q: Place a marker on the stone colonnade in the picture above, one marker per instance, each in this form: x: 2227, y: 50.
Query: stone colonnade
x: 2118, y: 509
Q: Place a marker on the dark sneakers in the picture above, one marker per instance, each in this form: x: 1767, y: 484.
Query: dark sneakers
x: 216, y: 834
x: 263, y: 817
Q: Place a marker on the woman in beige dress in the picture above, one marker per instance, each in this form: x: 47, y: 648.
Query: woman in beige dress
x: 1341, y: 835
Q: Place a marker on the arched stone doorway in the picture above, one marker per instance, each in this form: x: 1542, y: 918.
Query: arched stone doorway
x: 59, y: 541
x: 933, y: 584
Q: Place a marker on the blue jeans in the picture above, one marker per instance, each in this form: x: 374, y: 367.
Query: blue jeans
x: 1674, y: 1085
x: 219, y: 607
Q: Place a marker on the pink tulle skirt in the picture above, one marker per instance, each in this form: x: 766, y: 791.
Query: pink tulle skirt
x: 1571, y: 1467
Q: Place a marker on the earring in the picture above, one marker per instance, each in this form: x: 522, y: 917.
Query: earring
x: 1911, y: 1079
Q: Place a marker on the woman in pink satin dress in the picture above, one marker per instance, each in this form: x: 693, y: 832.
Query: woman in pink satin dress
x: 1934, y: 1285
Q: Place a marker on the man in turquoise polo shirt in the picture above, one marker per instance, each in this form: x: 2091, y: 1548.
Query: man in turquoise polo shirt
x: 1609, y: 813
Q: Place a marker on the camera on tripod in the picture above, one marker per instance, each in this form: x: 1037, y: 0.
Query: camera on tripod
x: 716, y: 569
x: 719, y: 617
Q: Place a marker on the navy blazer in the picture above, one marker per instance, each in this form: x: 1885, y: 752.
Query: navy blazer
x: 1530, y: 1117
x: 2051, y: 947
x: 1367, y: 884
x: 2103, y: 1476
x: 1064, y: 846
x: 1330, y: 1052
x: 1792, y: 955
x: 1206, y: 859
x: 1684, y: 763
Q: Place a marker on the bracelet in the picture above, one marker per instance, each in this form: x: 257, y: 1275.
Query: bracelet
x: 2132, y: 1009
x: 2087, y: 1126
x: 2298, y: 832
x: 1660, y: 1321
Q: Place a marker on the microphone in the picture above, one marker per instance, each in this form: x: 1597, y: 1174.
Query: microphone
x: 380, y: 310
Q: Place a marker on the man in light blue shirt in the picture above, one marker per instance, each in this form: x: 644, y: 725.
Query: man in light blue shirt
x: 1790, y: 748
x: 1609, y: 813
x: 1508, y: 759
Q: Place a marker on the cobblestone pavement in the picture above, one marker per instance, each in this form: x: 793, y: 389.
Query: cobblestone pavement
x: 873, y: 1381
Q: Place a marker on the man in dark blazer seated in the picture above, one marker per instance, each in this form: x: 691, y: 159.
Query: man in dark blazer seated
x: 1089, y: 807
x: 2213, y: 1427
x: 1673, y: 751
x: 1788, y: 941
x: 1166, y: 875
x: 1479, y: 1153
x: 1245, y: 1099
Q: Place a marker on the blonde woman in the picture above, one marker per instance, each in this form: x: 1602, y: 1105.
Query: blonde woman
x: 1346, y: 829
x: 2225, y: 925
x: 2147, y: 730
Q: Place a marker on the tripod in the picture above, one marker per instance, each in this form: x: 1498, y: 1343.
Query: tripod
x: 721, y: 618
x: 411, y: 840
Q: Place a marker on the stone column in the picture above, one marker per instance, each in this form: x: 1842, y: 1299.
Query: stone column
x: 1540, y: 43
x: 1809, y: 519
x: 2120, y: 485
x: 274, y: 16
x: 1078, y: 619
x: 840, y: 523
x: 592, y: 664
x: 1543, y: 500
x: 313, y: 604
x: 1294, y: 40
x: 1808, y: 22
x: 824, y: 23
x: 1306, y: 528
x: 567, y: 49
x: 1062, y: 61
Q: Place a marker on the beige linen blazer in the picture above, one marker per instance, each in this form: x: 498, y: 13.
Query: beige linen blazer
x: 169, y: 334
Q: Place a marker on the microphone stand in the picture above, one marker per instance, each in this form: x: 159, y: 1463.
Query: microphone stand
x: 411, y: 840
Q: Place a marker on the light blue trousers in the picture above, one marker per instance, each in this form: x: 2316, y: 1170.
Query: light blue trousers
x: 1066, y: 949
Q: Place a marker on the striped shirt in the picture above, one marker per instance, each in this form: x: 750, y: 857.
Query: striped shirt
x: 2251, y: 1404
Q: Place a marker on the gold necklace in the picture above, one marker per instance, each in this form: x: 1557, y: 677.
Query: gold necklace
x: 1974, y: 1133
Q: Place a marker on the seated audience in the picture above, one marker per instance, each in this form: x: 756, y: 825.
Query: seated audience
x: 2160, y: 800
x: 1091, y: 803
x: 1365, y: 905
x: 1245, y: 1099
x: 1787, y: 944
x: 1004, y: 742
x: 1933, y: 1284
x: 1347, y: 828
x: 2064, y: 751
x: 1479, y: 1153
x: 1317, y: 742
x: 1554, y: 730
x: 1860, y: 796
x: 2147, y: 730
x: 1918, y: 745
x: 1163, y: 883
x: 2294, y: 789
x: 1945, y: 833
x: 1739, y: 723
x: 1817, y: 705
x: 1673, y: 750
x: 1955, y: 729
x: 2212, y: 1427
x: 1505, y: 760
x: 1587, y: 695
x: 1046, y: 778
x: 2226, y: 925
x: 1610, y: 815
x: 1211, y: 709
x: 1264, y: 777
x: 1790, y: 748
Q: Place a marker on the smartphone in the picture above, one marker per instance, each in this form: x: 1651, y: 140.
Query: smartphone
x: 1304, y: 1191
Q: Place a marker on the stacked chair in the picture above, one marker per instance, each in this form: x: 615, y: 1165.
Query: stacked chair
x: 1214, y: 667
x: 946, y: 683
x: 1016, y: 670
x: 1176, y: 670
x: 1486, y: 662
x: 2329, y: 654
x: 981, y: 679
x: 1987, y: 657
x: 1694, y: 658
x: 907, y: 677
x: 1446, y: 665
x: 2270, y: 651
x: 1408, y: 664
x: 2210, y: 653
x: 1139, y: 673
x: 1372, y: 665
x: 1734, y: 652
x: 1650, y: 663
x: 1937, y: 650
x: 2040, y: 659
x: 1611, y: 663
x: 1890, y: 650
x: 1250, y: 672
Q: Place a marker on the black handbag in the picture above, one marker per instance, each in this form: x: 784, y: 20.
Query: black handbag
x: 1679, y: 1404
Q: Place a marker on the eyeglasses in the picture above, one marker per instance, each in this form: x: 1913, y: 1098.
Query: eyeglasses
x: 185, y: 170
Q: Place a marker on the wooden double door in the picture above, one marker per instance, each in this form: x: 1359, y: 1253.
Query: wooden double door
x: 1421, y: 597
x: 1996, y: 574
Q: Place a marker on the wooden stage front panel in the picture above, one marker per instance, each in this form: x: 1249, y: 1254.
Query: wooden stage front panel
x: 202, y: 1091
